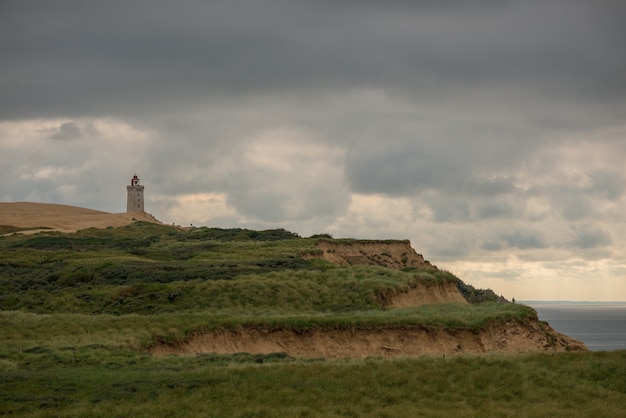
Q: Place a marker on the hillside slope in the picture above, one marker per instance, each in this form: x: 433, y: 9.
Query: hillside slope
x: 29, y: 217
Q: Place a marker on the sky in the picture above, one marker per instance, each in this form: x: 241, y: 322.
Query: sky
x: 491, y: 134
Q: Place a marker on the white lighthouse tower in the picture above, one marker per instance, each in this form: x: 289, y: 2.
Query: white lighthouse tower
x: 134, y: 203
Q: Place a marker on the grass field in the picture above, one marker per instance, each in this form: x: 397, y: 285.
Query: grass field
x: 78, y: 312
x: 138, y: 385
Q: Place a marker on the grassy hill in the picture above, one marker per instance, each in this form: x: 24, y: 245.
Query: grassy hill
x: 147, y: 268
x: 82, y: 313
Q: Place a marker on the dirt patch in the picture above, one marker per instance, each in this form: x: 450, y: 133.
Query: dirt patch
x: 424, y: 295
x: 391, y: 254
x: 63, y: 218
x: 509, y: 337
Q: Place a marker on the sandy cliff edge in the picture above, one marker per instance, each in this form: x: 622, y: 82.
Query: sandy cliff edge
x: 394, y: 254
x: 505, y: 337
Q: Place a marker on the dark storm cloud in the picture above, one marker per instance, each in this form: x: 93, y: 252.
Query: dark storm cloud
x: 591, y: 237
x: 452, y: 156
x: 524, y: 239
x: 455, y: 252
x: 495, y: 209
x: 572, y: 204
x: 66, y: 131
x: 491, y: 246
x: 133, y: 58
x: 449, y: 210
x: 607, y: 184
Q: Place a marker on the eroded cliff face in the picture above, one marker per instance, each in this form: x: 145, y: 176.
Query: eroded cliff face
x: 391, y: 254
x: 506, y: 337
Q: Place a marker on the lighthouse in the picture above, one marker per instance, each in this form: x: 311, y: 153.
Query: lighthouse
x: 134, y: 202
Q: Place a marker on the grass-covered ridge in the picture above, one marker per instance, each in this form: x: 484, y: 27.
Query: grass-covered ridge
x: 146, y: 268
x: 327, y: 289
x: 139, y: 331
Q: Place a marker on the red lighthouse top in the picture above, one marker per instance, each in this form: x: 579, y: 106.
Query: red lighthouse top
x: 134, y: 181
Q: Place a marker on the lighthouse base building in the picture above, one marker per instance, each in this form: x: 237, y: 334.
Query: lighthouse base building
x: 134, y: 201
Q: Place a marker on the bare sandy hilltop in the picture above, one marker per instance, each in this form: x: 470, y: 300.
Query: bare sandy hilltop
x: 28, y: 217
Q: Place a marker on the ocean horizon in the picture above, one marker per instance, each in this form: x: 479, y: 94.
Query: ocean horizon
x: 600, y: 325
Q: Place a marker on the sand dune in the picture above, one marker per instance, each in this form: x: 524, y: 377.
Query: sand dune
x: 33, y: 216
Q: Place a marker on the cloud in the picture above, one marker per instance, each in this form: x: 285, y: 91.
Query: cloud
x: 591, y: 237
x: 524, y: 240
x: 99, y: 60
x: 608, y: 184
x: 67, y: 131
x: 282, y: 175
x: 491, y: 246
x: 495, y: 209
x: 446, y: 208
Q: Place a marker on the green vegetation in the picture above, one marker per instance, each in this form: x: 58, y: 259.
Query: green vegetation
x: 139, y: 331
x: 473, y: 295
x: 8, y: 229
x: 148, y: 269
x: 96, y: 382
x: 315, y: 290
x: 78, y: 312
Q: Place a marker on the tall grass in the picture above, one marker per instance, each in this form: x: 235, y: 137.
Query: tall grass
x: 582, y: 385
x: 328, y: 289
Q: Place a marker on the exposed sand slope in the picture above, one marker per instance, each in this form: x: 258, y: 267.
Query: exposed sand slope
x: 507, y: 337
x: 426, y: 295
x: 63, y: 217
x: 392, y: 254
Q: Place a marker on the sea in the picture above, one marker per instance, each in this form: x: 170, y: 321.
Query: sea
x: 600, y: 325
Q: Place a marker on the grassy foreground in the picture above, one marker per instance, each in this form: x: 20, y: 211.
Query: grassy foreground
x: 137, y: 385
x: 76, y: 365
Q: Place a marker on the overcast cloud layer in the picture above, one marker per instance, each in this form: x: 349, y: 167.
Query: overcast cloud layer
x: 492, y: 134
